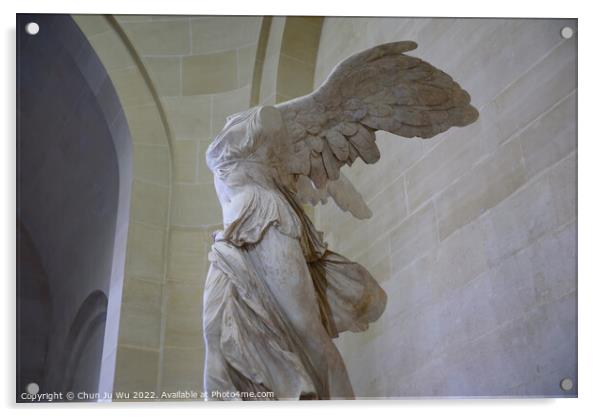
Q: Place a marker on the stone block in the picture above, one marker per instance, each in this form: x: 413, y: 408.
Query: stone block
x: 412, y: 238
x: 453, y: 155
x: 413, y: 339
x: 563, y: 181
x: 182, y: 370
x: 159, y: 37
x: 340, y: 38
x: 539, y: 208
x: 295, y: 78
x: 459, y: 259
x: 140, y: 321
x: 165, y: 72
x: 150, y: 203
x: 127, y: 18
x: 170, y: 17
x: 91, y: 24
x: 540, y: 273
x: 483, y: 187
x: 195, y: 205
x: 516, y: 353
x: 411, y: 287
x: 189, y: 117
x: 146, y: 126
x: 272, y: 57
x: 109, y: 46
x: 429, y: 32
x: 188, y: 250
x: 223, y: 33
x: 389, y: 210
x: 246, y: 64
x: 136, y: 370
x: 131, y: 87
x: 269, y: 76
x: 152, y: 164
x: 145, y: 251
x: 204, y: 175
x: 377, y: 259
x: 209, y: 73
x: 397, y: 155
x: 551, y: 137
x: 301, y: 38
x: 184, y: 315
x: 185, y: 155
x: 465, y: 314
x: 225, y: 104
x: 549, y: 81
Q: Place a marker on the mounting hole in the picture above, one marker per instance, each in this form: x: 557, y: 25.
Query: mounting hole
x: 566, y: 32
x: 32, y: 388
x: 32, y: 28
x: 566, y: 384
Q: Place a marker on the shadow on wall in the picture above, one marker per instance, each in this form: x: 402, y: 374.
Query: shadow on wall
x: 73, y: 176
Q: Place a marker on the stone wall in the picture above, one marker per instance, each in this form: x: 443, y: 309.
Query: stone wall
x: 474, y: 232
x: 201, y: 68
x: 178, y: 78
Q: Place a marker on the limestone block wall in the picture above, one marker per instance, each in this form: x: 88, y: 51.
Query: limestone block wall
x: 135, y: 360
x: 202, y: 69
x: 289, y: 61
x: 474, y: 232
x: 177, y: 77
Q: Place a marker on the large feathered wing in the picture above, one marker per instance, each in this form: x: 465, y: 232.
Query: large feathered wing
x: 378, y: 89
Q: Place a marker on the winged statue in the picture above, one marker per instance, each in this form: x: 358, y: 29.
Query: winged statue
x: 275, y: 295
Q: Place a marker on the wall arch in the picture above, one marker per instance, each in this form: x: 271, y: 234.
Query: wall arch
x: 86, y: 328
x: 148, y: 230
x: 74, y: 179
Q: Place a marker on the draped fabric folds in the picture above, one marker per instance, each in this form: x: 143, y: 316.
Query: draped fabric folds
x: 250, y: 345
x: 275, y: 295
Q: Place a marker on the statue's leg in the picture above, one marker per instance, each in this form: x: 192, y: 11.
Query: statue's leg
x: 280, y: 259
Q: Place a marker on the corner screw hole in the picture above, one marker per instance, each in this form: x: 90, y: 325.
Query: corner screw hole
x: 32, y: 28
x: 566, y: 384
x: 566, y: 32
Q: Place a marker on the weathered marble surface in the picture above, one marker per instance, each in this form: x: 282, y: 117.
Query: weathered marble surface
x: 275, y: 295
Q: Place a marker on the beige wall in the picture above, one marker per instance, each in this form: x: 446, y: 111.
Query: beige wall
x: 290, y: 57
x: 474, y: 232
x: 202, y: 70
x: 137, y: 352
x: 178, y: 77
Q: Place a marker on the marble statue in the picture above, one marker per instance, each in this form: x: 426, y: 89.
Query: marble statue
x: 275, y: 295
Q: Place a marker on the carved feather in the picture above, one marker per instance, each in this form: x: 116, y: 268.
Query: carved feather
x: 330, y: 163
x: 364, y: 142
x: 317, y: 171
x: 377, y: 89
x: 339, y: 144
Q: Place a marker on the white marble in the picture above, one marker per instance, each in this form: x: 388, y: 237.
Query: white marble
x: 275, y: 295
